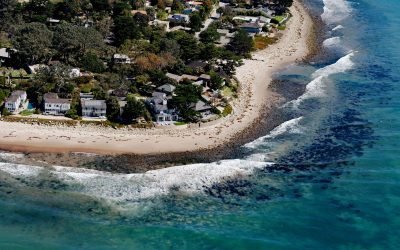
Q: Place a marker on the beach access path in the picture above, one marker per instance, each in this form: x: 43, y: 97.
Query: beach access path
x: 254, y: 76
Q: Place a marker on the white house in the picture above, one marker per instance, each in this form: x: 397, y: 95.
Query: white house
x: 54, y: 105
x: 121, y: 59
x: 15, y: 101
x: 94, y: 108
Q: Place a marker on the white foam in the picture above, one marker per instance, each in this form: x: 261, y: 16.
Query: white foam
x: 342, y: 65
x: 332, y: 42
x: 11, y: 156
x: 131, y: 188
x: 335, y: 11
x: 317, y: 87
x: 289, y: 127
x: 339, y: 27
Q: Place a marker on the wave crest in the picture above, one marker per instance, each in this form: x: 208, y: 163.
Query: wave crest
x: 335, y: 11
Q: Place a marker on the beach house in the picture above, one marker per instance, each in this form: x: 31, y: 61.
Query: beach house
x: 15, y: 101
x: 159, y: 107
x: 54, y: 105
x: 94, y: 108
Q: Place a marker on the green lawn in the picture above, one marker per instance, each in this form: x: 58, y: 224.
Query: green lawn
x: 27, y: 112
x: 179, y: 123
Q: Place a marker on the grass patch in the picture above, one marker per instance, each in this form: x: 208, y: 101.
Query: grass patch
x: 279, y: 18
x: 27, y: 112
x: 261, y: 42
x: 179, y: 123
x: 281, y: 27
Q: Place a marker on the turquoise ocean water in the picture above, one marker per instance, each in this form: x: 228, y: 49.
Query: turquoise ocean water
x: 329, y: 178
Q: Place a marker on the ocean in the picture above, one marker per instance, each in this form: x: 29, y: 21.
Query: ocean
x: 328, y: 178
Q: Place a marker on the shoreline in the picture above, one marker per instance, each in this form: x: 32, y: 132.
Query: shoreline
x: 256, y: 101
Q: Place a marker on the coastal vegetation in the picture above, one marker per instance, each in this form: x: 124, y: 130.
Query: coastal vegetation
x: 118, y: 53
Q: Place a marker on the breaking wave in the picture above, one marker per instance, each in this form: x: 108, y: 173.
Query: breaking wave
x: 288, y: 127
x: 339, y: 27
x: 332, y: 42
x: 335, y: 11
x: 128, y: 189
x: 317, y: 87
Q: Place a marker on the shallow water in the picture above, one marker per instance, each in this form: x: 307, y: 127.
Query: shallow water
x: 329, y: 178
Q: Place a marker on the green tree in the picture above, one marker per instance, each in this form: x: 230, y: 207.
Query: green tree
x: 134, y: 109
x: 177, y: 5
x: 7, y: 8
x: 189, y: 45
x: 216, y: 81
x: 210, y: 51
x: 33, y: 42
x: 185, y: 96
x: 125, y: 28
x: 195, y: 22
x: 92, y: 63
x: 113, y: 109
x: 283, y: 3
x: 210, y: 35
x: 241, y: 43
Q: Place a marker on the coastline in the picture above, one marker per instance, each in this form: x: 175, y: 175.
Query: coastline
x: 256, y: 101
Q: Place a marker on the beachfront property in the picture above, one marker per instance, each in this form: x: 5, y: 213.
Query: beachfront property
x: 54, y: 105
x: 16, y: 101
x: 251, y: 28
x: 158, y: 104
x: 203, y: 108
x: 94, y: 108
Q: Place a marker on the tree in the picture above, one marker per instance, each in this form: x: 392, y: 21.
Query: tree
x: 210, y: 51
x: 283, y: 3
x: 216, y: 81
x: 133, y: 109
x: 92, y: 63
x: 189, y: 45
x: 170, y: 46
x: 177, y: 5
x: 195, y: 22
x: 75, y: 41
x: 185, y: 96
x: 33, y: 42
x: 241, y: 43
x: 210, y: 35
x: 113, y: 109
x: 125, y: 28
x: 7, y: 8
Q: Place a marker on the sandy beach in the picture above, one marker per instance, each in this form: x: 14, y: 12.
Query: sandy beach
x: 254, y: 97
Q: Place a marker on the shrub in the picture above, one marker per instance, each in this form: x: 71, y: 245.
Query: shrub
x: 227, y: 110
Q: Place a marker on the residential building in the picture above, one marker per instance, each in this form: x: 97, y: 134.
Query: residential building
x: 203, y: 108
x: 15, y: 101
x: 251, y: 28
x: 86, y: 96
x: 179, y: 18
x: 94, y: 108
x: 121, y: 59
x: 54, y: 105
x: 167, y: 89
x: 174, y: 77
x: 5, y: 55
x: 159, y: 107
x: 198, y: 66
